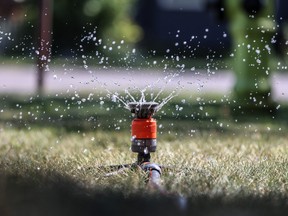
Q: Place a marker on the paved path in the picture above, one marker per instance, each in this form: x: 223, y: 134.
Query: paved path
x: 21, y: 79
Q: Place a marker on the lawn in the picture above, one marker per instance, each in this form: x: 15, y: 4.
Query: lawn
x: 56, y: 155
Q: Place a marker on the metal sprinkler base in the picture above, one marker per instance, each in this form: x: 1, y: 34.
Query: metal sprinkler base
x: 153, y: 170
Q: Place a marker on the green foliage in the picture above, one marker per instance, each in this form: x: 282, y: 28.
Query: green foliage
x: 112, y: 20
x: 74, y: 20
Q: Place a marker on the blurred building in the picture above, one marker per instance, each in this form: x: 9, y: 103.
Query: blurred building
x: 197, y: 26
x: 182, y: 25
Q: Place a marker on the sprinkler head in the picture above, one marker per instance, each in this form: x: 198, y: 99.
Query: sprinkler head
x: 144, y: 128
x: 143, y: 110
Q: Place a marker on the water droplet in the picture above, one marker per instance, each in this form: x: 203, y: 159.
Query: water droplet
x: 133, y: 138
x: 85, y: 151
x: 146, y: 151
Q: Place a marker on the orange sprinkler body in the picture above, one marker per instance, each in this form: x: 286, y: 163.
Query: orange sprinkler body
x: 144, y: 133
x: 144, y: 128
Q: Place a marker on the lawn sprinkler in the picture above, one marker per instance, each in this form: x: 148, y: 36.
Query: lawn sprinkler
x: 143, y: 141
x: 143, y: 130
x: 144, y: 134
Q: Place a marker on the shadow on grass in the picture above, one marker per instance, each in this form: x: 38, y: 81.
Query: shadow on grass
x: 82, y: 114
x: 58, y: 195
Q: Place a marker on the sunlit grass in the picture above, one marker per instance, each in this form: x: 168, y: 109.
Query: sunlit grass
x: 211, y: 164
x: 205, y: 151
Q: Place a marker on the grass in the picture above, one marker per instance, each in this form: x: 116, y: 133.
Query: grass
x: 219, y: 162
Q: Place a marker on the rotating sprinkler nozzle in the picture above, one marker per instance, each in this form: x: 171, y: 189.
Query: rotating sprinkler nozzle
x: 144, y: 127
x: 143, y: 110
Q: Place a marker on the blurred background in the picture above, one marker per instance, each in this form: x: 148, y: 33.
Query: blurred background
x: 152, y: 25
x: 129, y: 33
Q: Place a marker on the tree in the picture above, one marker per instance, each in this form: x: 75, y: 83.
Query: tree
x: 252, y: 29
